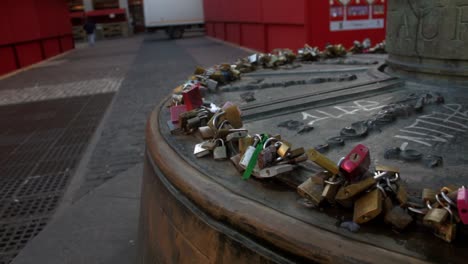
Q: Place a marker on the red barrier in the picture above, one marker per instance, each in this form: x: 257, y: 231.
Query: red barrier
x: 268, y: 24
x: 31, y: 31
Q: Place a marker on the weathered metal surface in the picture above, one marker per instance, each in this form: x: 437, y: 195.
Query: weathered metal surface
x: 428, y: 38
x: 269, y: 211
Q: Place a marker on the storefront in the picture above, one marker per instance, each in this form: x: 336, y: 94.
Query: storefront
x: 267, y: 24
x: 31, y: 31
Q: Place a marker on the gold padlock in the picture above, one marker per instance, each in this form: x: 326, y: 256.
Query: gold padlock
x: 435, y: 217
x: 312, y: 190
x: 368, y: 206
x: 447, y: 232
x: 322, y: 161
x: 350, y: 191
x: 283, y: 150
x: 402, y: 195
x: 233, y: 115
x: 332, y: 185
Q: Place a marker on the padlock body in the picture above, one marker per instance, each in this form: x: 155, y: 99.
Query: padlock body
x: 192, y: 97
x: 435, y: 216
x: 462, y: 205
x: 176, y: 110
x: 356, y: 163
x: 368, y: 206
x: 244, y: 162
x: 220, y: 153
x: 312, y: 191
x: 398, y: 217
x: 199, y: 151
x: 322, y: 161
x: 266, y: 157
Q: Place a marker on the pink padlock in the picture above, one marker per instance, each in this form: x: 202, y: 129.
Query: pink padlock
x: 462, y: 204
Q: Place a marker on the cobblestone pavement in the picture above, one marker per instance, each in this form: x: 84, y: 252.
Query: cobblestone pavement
x: 47, y: 118
x: 160, y: 66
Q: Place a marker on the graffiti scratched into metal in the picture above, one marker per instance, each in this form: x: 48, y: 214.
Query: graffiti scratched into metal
x: 437, y: 126
x: 340, y: 111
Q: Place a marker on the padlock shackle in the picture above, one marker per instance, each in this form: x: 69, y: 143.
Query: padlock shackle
x: 216, y: 116
x: 446, y: 198
x: 267, y: 142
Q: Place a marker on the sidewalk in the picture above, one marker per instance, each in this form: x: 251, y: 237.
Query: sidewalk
x: 97, y: 220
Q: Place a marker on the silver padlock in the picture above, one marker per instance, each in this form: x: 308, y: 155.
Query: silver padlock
x: 244, y: 162
x: 236, y: 135
x: 206, y: 132
x: 220, y: 152
x: 199, y: 151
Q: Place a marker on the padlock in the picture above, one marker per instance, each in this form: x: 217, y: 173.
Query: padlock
x: 174, y: 129
x: 216, y: 120
x: 312, y: 190
x: 233, y: 115
x: 212, y: 85
x: 224, y: 132
x: 209, y: 145
x: 435, y: 216
x: 368, y: 206
x: 244, y: 143
x: 244, y: 162
x: 428, y: 195
x: 176, y: 110
x: 351, y: 190
x: 284, y: 148
x: 322, y: 161
x: 447, y: 231
x: 462, y: 204
x: 192, y: 97
x: 193, y: 122
x: 402, y: 195
x: 236, y: 135
x: 296, y: 153
x: 356, y: 163
x: 267, y: 156
x: 235, y: 160
x: 332, y: 185
x: 206, y: 132
x: 199, y: 151
x: 398, y: 218
x: 296, y: 160
x: 273, y: 171
x: 220, y: 152
x: 199, y: 70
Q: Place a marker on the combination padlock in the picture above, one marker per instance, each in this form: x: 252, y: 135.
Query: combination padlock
x: 356, y: 163
x: 220, y: 152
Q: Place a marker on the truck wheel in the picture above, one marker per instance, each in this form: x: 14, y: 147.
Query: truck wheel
x: 176, y: 32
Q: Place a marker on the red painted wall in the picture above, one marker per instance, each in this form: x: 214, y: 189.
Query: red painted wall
x: 268, y: 24
x: 31, y: 31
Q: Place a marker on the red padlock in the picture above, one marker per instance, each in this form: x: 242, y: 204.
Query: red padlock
x: 462, y: 204
x: 356, y: 163
x: 192, y: 97
x: 176, y: 110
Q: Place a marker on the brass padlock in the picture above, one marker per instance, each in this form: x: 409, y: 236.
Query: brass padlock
x: 402, y: 195
x: 398, y: 218
x: 209, y: 145
x: 235, y: 160
x: 322, y: 161
x: 332, y: 185
x: 220, y: 152
x: 368, y: 206
x: 296, y: 153
x: 312, y: 190
x: 244, y: 143
x: 447, y: 231
x: 284, y: 148
x: 435, y: 217
x: 428, y: 195
x: 351, y: 190
x: 233, y: 115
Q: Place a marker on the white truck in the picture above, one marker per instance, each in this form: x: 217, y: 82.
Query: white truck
x: 173, y: 16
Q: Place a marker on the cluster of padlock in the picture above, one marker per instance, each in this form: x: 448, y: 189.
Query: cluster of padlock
x: 350, y: 185
x: 443, y: 211
x: 262, y: 156
x: 365, y: 47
